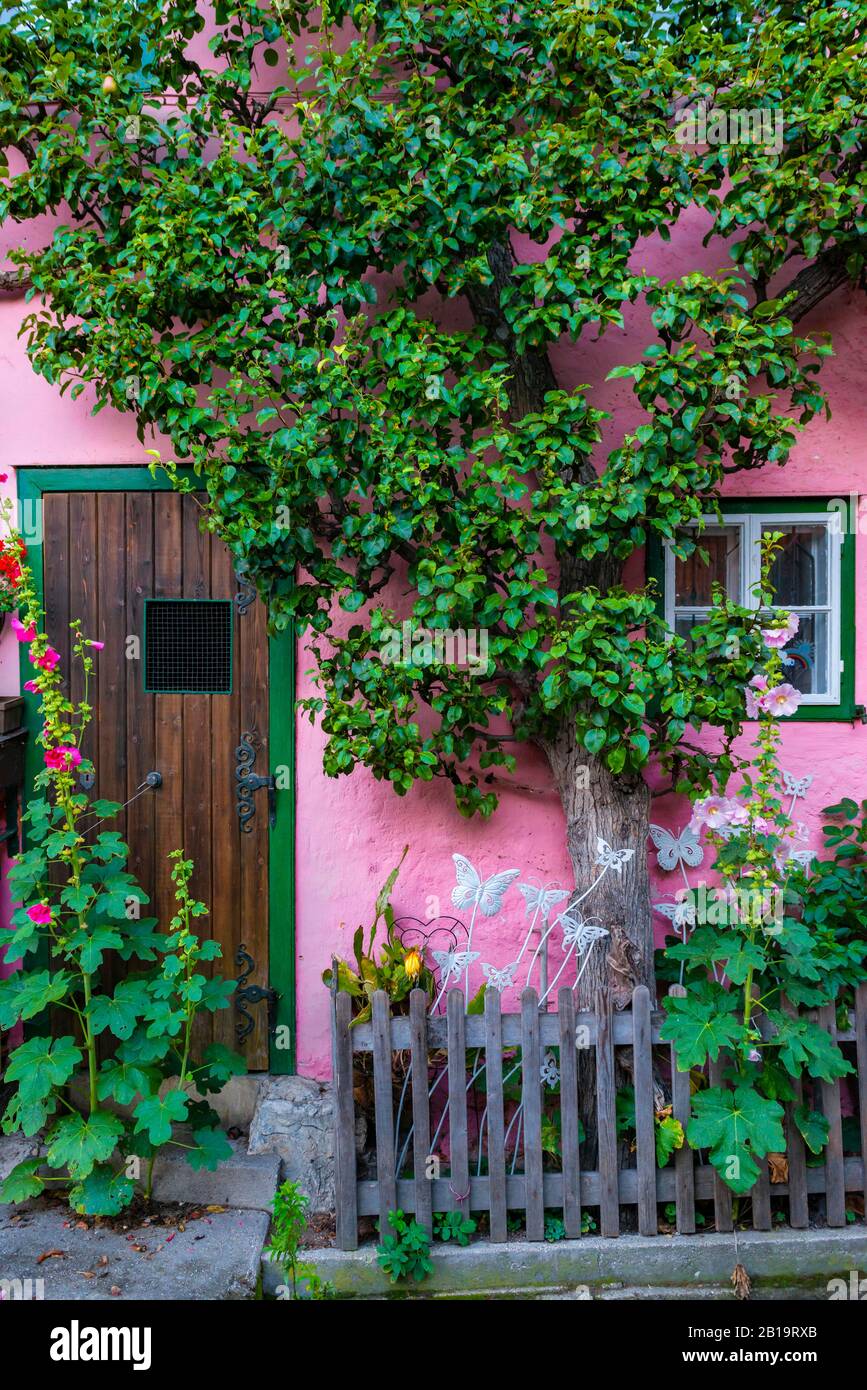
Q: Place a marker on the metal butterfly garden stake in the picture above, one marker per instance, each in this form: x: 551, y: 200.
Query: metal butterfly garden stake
x: 542, y: 904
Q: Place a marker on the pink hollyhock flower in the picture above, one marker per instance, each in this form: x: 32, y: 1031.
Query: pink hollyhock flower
x: 47, y: 661
x: 754, y: 1055
x: 40, y: 913
x: 713, y: 812
x: 762, y: 826
x: 779, y: 636
x: 783, y: 699
x: 756, y: 703
x: 97, y: 646
x: 738, y: 814
x: 32, y: 687
x: 24, y: 634
x: 62, y: 758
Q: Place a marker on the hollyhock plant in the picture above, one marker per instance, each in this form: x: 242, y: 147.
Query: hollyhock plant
x: 744, y: 967
x: 75, y: 892
x: 712, y: 811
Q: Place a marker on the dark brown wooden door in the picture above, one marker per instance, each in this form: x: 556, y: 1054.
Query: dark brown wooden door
x: 105, y: 554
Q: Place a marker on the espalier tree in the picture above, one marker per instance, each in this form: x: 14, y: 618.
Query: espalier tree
x: 331, y: 263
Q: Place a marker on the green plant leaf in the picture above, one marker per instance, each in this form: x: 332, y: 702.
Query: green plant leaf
x: 78, y: 1142
x: 41, y: 1064
x: 123, y: 1081
x: 804, y: 1046
x: 736, y: 1126
x: 701, y: 1024
x: 22, y: 1182
x: 102, y: 1193
x: 155, y: 1115
x: 813, y: 1128
x: 212, y: 1149
x: 669, y: 1137
x: 119, y: 1012
x: 26, y: 994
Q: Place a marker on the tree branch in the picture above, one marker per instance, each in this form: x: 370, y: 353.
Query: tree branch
x: 15, y: 280
x: 815, y: 282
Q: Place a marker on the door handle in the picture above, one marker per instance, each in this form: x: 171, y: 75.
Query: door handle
x: 247, y: 782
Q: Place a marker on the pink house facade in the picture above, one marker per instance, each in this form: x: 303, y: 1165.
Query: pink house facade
x: 349, y: 832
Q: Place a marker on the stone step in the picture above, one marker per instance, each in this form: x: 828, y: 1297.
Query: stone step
x: 247, y: 1181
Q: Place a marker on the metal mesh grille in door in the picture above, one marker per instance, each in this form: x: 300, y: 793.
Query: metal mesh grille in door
x: 188, y: 646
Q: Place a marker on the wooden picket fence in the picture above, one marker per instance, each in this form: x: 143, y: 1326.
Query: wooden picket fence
x: 608, y: 1187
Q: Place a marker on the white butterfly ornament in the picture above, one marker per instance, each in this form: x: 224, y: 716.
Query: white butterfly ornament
x: 451, y: 963
x: 680, y: 914
x: 472, y: 892
x: 578, y: 933
x: 797, y: 786
x: 612, y: 858
x: 672, y: 849
x: 541, y: 899
x: 500, y: 979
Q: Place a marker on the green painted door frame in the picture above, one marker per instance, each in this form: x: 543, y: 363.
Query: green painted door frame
x: 32, y: 484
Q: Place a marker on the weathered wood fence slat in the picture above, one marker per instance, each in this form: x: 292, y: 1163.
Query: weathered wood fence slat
x: 463, y: 1119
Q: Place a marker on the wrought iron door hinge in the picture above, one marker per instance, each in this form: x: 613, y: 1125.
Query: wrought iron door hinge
x: 248, y: 782
x: 246, y: 594
x: 251, y: 994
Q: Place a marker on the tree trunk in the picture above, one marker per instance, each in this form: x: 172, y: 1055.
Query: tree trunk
x: 598, y: 805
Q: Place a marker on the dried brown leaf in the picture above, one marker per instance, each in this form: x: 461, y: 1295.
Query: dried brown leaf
x: 779, y: 1166
x: 741, y: 1281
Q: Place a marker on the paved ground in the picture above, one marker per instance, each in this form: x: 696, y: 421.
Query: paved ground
x: 215, y: 1257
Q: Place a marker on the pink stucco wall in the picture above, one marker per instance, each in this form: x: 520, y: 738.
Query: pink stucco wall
x: 351, y: 831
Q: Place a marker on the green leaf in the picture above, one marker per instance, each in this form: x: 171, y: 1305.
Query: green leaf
x: 220, y: 1065
x: 804, y: 1046
x: 669, y: 1137
x: 701, y: 1024
x: 121, y: 1011
x: 91, y: 943
x: 102, y: 1193
x: 813, y: 1128
x: 22, y: 1182
x: 123, y: 1081
x: 41, y: 1064
x: 26, y: 994
x: 156, y: 1114
x: 736, y: 1126
x: 212, y: 1149
x: 79, y: 1142
x: 28, y: 1116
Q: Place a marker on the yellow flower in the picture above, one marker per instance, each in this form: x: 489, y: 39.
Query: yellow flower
x: 412, y: 964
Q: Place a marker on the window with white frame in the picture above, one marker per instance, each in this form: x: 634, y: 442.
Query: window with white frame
x: 805, y: 576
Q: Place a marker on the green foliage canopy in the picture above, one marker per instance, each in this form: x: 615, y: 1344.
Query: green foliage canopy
x: 260, y: 275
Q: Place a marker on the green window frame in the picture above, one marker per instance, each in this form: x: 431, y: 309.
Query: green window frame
x: 739, y: 510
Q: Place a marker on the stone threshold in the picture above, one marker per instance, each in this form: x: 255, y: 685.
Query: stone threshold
x: 795, y: 1263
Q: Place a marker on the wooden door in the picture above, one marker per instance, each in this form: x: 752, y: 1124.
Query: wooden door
x: 112, y: 559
